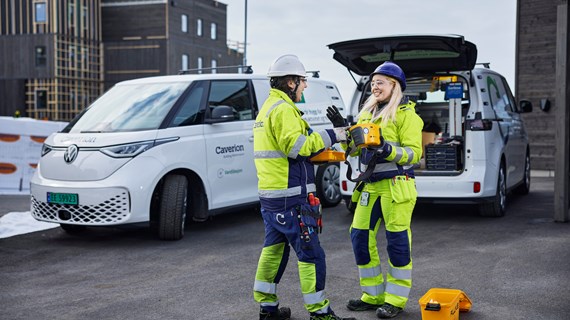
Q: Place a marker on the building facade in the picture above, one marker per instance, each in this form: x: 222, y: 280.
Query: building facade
x: 51, y: 51
x: 535, y: 75
x: 149, y: 38
x: 60, y: 55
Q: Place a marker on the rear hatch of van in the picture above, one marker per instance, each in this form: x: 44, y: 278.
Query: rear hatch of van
x: 415, y: 54
x: 438, y: 70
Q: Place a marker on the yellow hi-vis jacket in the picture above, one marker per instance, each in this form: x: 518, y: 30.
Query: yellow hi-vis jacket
x: 282, y: 145
x: 403, y: 143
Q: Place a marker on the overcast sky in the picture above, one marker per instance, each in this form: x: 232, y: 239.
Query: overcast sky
x: 305, y: 28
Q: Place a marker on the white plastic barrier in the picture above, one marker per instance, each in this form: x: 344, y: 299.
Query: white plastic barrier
x: 21, y: 142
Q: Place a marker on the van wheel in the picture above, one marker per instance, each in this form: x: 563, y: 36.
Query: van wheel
x: 173, y: 204
x: 524, y: 187
x: 497, y: 208
x: 327, y: 181
x: 72, y: 228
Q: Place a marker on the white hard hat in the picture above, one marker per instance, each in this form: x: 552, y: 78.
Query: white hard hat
x: 286, y: 65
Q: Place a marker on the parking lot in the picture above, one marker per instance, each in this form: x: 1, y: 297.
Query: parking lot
x: 516, y: 267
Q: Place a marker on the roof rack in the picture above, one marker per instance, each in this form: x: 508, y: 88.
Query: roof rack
x: 246, y: 69
x: 486, y: 65
x: 314, y: 73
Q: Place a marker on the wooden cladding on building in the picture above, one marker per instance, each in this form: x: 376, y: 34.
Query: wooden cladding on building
x: 55, y: 64
x: 536, y: 74
x: 75, y: 18
x: 53, y: 48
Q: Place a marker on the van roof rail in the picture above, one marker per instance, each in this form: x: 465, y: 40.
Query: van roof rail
x: 246, y: 69
x: 486, y: 65
x: 314, y: 73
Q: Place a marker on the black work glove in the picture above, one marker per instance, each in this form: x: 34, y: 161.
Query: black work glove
x: 335, y: 117
x: 382, y: 150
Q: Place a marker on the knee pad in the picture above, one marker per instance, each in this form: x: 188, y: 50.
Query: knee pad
x: 359, y: 240
x: 398, y: 248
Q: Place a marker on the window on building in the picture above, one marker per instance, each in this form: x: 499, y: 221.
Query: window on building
x: 41, y: 99
x: 214, y: 65
x: 184, y: 22
x: 40, y: 12
x: 71, y: 14
x: 84, y: 20
x: 184, y: 62
x: 71, y: 53
x: 213, y: 31
x: 72, y: 97
x: 84, y: 58
x: 200, y: 64
x: 199, y: 27
x: 40, y: 56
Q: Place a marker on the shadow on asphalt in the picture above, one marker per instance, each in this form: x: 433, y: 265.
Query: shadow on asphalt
x: 126, y: 235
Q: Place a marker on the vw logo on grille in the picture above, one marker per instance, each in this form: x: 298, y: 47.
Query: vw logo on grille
x: 71, y: 153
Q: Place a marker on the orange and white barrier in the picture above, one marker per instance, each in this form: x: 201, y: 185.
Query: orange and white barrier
x: 21, y: 142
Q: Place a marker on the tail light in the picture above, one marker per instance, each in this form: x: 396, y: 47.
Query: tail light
x: 476, y: 187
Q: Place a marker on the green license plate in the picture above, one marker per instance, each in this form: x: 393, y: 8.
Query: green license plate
x: 63, y: 198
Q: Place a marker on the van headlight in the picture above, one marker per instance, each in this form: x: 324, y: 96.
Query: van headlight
x: 45, y: 149
x: 127, y: 150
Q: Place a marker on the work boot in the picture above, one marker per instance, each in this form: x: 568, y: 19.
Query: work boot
x: 281, y: 314
x: 387, y: 311
x: 359, y: 305
x: 328, y: 316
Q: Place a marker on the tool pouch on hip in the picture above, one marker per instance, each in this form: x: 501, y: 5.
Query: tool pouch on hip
x: 310, y: 220
x: 403, y: 189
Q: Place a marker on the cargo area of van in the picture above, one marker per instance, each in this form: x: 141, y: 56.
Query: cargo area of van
x: 444, y: 118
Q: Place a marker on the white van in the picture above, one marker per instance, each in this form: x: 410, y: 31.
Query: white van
x: 165, y: 148
x: 476, y: 148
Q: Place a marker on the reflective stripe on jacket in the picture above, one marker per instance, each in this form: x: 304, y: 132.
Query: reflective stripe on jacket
x: 283, y: 143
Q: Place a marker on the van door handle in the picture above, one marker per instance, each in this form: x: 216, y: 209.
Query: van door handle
x: 250, y: 139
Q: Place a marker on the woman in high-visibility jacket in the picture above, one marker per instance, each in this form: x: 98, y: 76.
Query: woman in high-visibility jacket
x: 283, y: 144
x: 389, y: 194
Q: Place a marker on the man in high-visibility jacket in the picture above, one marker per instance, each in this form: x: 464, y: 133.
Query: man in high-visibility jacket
x: 283, y: 144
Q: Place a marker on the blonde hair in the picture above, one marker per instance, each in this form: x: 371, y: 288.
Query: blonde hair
x: 388, y: 112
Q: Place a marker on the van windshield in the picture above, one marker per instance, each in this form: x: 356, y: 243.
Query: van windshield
x: 129, y: 107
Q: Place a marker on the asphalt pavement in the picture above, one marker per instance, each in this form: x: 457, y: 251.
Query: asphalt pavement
x: 14, y: 203
x: 515, y: 267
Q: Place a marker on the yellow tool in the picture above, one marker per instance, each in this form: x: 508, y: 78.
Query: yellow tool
x: 365, y: 135
x: 329, y: 156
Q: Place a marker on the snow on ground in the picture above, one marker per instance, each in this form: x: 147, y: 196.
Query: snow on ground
x: 15, y: 223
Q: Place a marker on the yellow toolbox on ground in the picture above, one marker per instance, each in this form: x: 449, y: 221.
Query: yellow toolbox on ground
x: 329, y: 156
x: 444, y: 304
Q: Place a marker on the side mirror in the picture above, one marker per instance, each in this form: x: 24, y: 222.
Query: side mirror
x: 525, y: 106
x: 221, y: 114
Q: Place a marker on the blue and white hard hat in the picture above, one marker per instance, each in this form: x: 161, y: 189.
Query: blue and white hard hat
x: 392, y: 70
